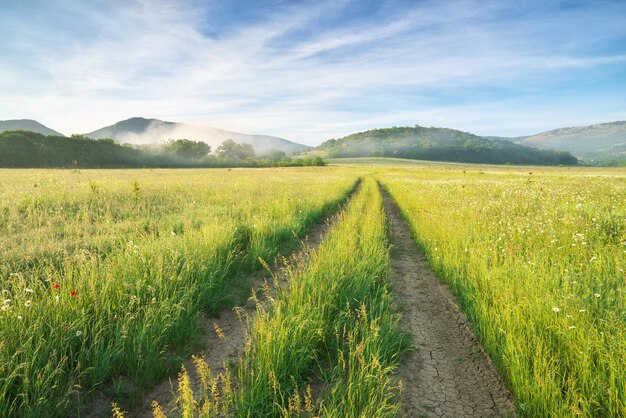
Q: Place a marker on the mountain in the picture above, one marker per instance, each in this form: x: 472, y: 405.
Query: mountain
x: 595, y: 143
x: 440, y: 144
x: 27, y: 125
x: 143, y: 131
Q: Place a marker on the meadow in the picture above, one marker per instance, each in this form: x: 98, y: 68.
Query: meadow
x: 537, y: 260
x: 104, y: 275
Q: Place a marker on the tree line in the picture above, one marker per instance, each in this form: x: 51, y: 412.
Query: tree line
x: 26, y: 149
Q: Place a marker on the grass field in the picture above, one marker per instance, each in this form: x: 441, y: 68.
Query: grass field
x: 537, y: 259
x: 105, y: 273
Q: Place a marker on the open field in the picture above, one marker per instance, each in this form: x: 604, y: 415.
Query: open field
x: 105, y: 275
x: 537, y: 260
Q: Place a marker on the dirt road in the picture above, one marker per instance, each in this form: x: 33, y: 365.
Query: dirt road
x: 448, y: 374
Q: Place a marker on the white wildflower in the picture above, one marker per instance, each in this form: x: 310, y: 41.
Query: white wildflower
x: 555, y: 309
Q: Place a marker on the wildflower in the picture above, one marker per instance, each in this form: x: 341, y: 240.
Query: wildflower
x: 78, y: 333
x: 5, y: 307
x: 28, y: 303
x: 582, y: 310
x: 6, y: 301
x: 55, y: 286
x: 555, y: 309
x: 173, y: 233
x: 57, y: 298
x: 74, y: 292
x: 572, y: 327
x: 596, y: 295
x: 66, y: 329
x: 27, y: 290
x: 20, y: 317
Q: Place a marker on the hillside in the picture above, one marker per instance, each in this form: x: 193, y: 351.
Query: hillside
x: 141, y: 131
x: 604, y: 142
x: 439, y: 144
x: 27, y: 125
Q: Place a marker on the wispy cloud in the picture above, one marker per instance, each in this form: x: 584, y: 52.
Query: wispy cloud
x: 310, y: 71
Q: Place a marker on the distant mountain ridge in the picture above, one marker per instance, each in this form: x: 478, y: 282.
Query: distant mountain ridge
x: 595, y: 143
x: 27, y: 125
x: 144, y: 131
x: 439, y: 144
x: 603, y: 143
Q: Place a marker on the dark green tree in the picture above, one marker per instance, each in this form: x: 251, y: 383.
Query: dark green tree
x: 230, y: 150
x: 186, y: 148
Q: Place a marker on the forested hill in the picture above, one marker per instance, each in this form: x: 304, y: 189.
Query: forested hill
x: 601, y: 143
x: 440, y: 144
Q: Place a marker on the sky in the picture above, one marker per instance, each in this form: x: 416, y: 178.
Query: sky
x: 313, y: 70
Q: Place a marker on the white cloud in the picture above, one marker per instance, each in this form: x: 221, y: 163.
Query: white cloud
x: 153, y: 59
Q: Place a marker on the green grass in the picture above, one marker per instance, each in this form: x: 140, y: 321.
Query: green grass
x: 115, y: 267
x: 537, y: 261
x: 332, y: 326
x: 334, y: 320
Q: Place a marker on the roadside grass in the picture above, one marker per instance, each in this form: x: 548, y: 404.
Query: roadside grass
x: 537, y: 259
x: 332, y: 327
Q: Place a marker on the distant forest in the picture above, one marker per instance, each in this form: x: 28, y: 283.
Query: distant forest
x: 440, y: 144
x: 26, y: 149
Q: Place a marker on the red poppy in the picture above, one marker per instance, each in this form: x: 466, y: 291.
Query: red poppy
x: 66, y: 329
x: 55, y: 286
x: 74, y: 292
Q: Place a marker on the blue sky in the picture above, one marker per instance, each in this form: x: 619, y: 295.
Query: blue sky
x: 313, y: 70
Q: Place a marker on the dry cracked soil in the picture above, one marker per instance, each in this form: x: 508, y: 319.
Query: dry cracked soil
x: 447, y: 374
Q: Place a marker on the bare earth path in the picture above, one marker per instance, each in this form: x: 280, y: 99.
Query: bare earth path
x: 233, y: 324
x: 448, y: 374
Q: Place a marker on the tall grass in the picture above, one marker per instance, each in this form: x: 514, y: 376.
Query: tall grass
x: 334, y: 320
x: 117, y: 265
x: 328, y: 343
x: 537, y: 260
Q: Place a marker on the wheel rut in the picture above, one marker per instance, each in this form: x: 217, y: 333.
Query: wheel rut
x: 447, y: 374
x: 225, y: 336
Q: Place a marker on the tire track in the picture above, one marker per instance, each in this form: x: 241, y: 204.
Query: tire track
x: 225, y: 337
x: 448, y: 374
